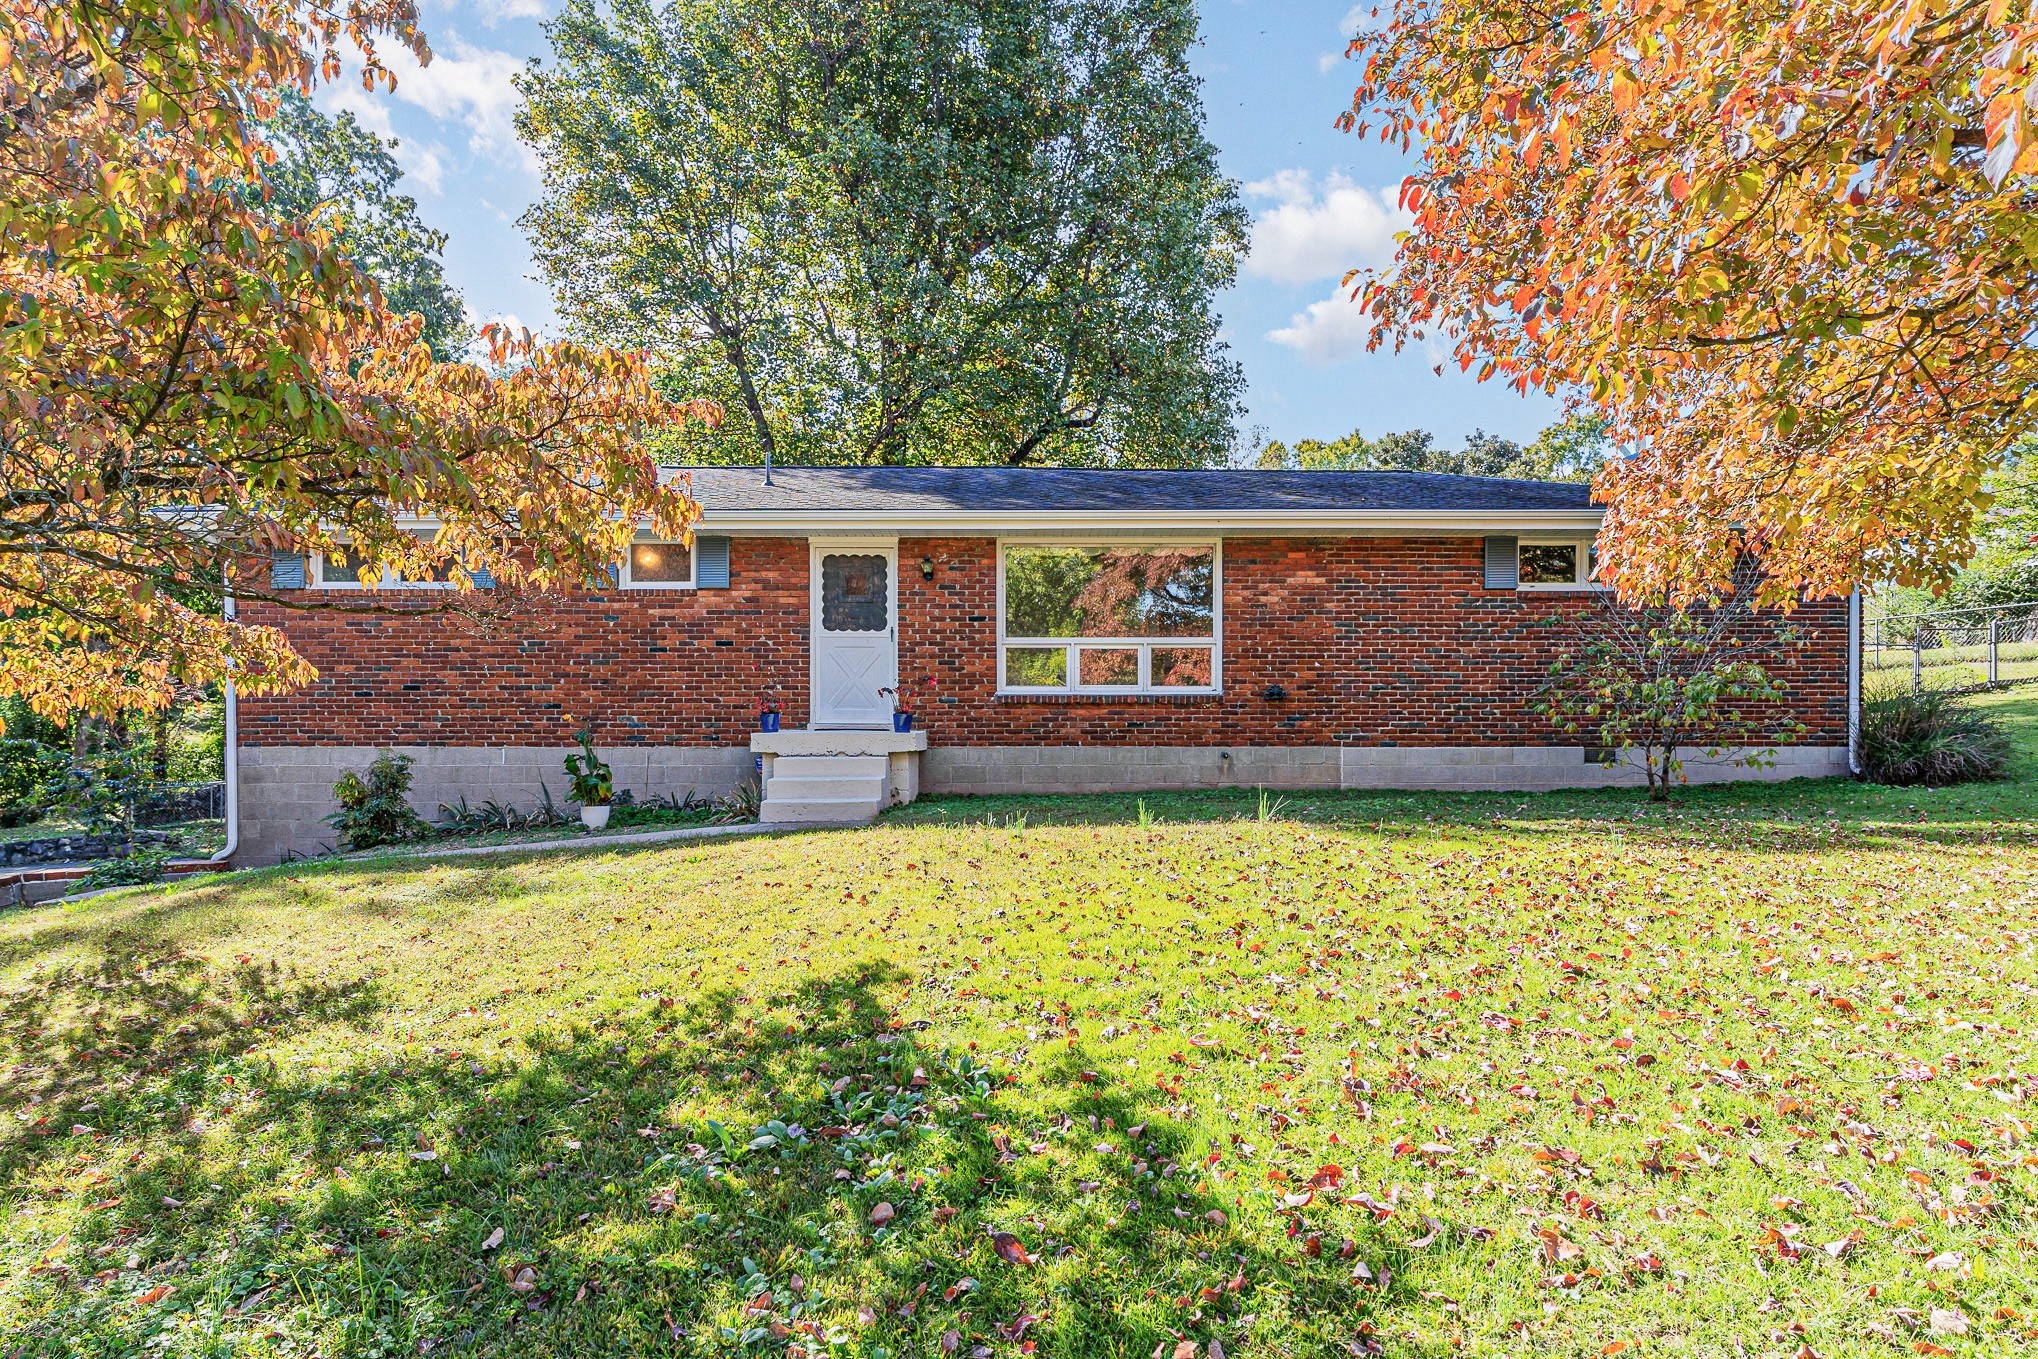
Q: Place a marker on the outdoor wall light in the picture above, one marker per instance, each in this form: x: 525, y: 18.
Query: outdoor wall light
x: 927, y: 568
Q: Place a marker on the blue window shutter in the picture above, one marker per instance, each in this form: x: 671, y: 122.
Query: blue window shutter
x: 287, y: 571
x: 711, y: 563
x: 1503, y: 563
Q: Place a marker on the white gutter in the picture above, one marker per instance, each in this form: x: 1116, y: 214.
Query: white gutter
x: 233, y: 760
x: 1229, y: 523
x: 1854, y: 682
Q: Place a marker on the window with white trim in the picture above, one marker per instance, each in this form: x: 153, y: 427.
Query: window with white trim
x: 1557, y: 564
x: 341, y: 570
x: 1082, y: 618
x: 658, y: 564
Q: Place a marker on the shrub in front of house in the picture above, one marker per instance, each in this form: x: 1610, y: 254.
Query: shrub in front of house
x: 376, y: 810
x: 28, y: 769
x: 1929, y: 739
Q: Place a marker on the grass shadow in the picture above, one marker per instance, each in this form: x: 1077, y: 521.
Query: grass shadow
x: 782, y: 1169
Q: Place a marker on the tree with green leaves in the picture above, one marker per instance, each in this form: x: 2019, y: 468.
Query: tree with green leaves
x: 896, y: 231
x: 1658, y: 680
x: 332, y: 164
x: 1571, y: 450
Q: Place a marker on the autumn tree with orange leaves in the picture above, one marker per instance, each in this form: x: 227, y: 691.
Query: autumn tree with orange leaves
x: 188, y: 384
x: 1790, y: 247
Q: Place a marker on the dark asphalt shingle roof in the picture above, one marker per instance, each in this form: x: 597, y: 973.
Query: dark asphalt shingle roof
x: 910, y: 490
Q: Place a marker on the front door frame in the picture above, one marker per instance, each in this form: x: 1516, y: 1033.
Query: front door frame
x: 888, y: 545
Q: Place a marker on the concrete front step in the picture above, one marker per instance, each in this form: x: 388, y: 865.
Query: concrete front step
x: 829, y: 767
x: 848, y: 811
x: 833, y: 789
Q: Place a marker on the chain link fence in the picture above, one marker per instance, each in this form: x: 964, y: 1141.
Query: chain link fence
x: 1952, y: 648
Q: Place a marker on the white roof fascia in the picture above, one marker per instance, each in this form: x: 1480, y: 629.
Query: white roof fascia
x: 1224, y: 523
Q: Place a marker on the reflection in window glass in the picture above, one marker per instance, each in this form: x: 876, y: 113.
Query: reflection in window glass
x: 1036, y: 667
x: 342, y: 567
x: 660, y: 563
x: 1108, y: 667
x: 1113, y: 592
x: 1549, y: 563
x: 1178, y: 667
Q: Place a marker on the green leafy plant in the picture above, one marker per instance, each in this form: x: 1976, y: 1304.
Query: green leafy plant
x: 1660, y: 680
x: 686, y: 809
x: 376, y: 810
x: 590, y: 782
x: 105, y: 788
x: 142, y: 866
x: 28, y: 772
x: 739, y: 806
x: 1930, y: 739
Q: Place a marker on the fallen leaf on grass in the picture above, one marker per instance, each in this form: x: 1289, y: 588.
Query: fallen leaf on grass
x: 1010, y: 1249
x: 494, y: 1240
x: 1949, y: 1321
x: 881, y: 1214
x: 1557, y: 1247
x: 156, y: 1294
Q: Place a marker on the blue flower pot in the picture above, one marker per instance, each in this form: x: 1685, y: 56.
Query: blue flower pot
x: 902, y: 721
x: 767, y: 721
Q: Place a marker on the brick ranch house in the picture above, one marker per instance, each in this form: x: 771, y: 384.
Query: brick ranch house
x: 1082, y: 630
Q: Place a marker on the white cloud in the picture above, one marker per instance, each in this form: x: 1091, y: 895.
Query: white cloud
x: 422, y: 166
x: 1311, y: 235
x: 494, y: 12
x: 1356, y: 18
x: 470, y: 86
x: 369, y: 110
x: 1332, y: 329
x: 1326, y: 62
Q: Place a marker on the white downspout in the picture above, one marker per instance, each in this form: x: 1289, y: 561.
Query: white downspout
x: 1854, y: 682
x: 233, y: 757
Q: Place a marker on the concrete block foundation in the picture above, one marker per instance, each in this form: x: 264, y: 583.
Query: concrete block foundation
x: 286, y: 791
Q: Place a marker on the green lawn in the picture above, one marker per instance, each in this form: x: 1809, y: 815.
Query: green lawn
x: 1494, y: 1075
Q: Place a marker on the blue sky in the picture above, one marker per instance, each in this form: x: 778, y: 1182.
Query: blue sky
x: 1275, y: 78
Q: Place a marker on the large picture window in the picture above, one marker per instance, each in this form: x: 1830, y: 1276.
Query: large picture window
x: 1109, y: 619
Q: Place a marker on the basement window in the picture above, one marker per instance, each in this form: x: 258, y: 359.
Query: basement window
x: 341, y: 570
x: 1558, y: 564
x: 658, y: 564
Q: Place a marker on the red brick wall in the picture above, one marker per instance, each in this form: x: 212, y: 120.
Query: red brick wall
x: 658, y: 667
x: 1377, y: 641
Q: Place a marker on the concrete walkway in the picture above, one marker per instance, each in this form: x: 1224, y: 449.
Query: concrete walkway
x: 562, y: 844
x: 651, y: 837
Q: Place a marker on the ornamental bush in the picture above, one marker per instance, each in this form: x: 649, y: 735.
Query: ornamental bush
x: 1930, y: 739
x: 376, y: 810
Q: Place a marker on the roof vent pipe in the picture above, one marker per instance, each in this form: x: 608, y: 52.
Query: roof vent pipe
x: 767, y: 467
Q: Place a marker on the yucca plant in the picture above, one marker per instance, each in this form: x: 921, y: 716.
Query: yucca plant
x: 1929, y: 739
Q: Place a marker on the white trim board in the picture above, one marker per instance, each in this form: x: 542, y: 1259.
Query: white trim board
x: 1146, y: 523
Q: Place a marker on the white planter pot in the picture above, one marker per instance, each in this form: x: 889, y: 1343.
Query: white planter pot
x: 594, y: 818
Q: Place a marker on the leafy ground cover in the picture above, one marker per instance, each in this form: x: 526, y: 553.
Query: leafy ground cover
x: 1500, y: 1075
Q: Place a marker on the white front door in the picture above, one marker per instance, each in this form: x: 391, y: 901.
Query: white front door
x: 856, y: 635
